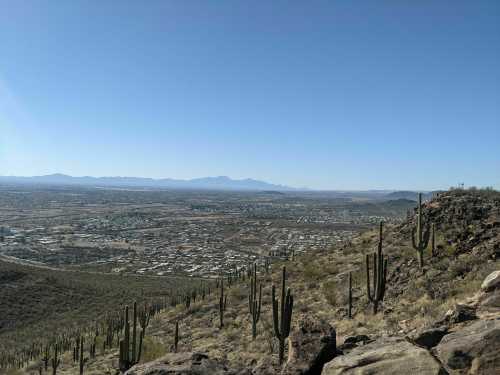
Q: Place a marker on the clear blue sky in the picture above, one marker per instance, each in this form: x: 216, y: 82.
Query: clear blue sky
x: 324, y: 94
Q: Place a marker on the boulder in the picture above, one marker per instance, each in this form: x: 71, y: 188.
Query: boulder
x: 310, y: 345
x: 428, y: 338
x: 186, y: 363
x: 387, y: 356
x: 473, y: 349
x: 267, y: 365
x: 492, y: 281
x: 353, y: 341
x: 460, y: 313
x: 391, y: 356
x: 490, y: 303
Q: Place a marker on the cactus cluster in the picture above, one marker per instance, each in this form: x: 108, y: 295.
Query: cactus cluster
x: 130, y: 352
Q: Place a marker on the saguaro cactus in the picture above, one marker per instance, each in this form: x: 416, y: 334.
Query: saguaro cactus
x: 379, y: 274
x: 282, y: 327
x: 222, y: 303
x: 45, y: 358
x: 82, y: 360
x: 56, y: 361
x: 176, y: 336
x: 349, y: 309
x: 419, y: 235
x: 134, y: 334
x: 254, y: 304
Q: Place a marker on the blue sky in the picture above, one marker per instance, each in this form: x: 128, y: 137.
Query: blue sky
x: 326, y: 94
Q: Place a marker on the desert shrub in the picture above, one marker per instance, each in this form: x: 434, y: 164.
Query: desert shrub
x: 237, y: 293
x: 312, y: 272
x: 329, y: 290
x: 152, y: 349
x: 460, y: 267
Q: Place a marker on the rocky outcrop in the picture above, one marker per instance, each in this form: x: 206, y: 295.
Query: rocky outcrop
x: 351, y: 342
x: 310, y: 346
x: 491, y: 282
x: 385, y: 356
x: 428, y: 338
x: 473, y: 349
x: 187, y: 363
x: 488, y: 299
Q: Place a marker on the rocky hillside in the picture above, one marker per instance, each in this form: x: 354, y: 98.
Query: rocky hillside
x: 438, y: 318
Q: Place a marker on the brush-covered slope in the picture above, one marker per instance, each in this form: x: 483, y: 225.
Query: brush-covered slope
x: 40, y: 302
x: 468, y: 247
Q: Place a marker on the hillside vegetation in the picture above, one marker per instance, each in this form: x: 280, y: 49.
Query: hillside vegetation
x: 39, y: 303
x: 466, y: 250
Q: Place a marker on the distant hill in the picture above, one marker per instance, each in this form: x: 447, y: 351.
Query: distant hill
x: 408, y: 195
x: 212, y: 183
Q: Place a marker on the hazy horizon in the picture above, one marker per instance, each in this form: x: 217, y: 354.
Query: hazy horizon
x: 327, y: 95
x: 231, y: 179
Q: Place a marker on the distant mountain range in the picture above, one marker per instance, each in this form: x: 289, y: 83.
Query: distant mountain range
x: 212, y: 183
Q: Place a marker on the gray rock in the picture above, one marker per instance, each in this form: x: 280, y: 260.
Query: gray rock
x: 311, y: 344
x: 428, y: 338
x: 385, y: 356
x: 490, y: 302
x: 187, y: 363
x: 492, y: 281
x: 460, y: 313
x: 266, y: 366
x: 354, y: 341
x: 474, y: 349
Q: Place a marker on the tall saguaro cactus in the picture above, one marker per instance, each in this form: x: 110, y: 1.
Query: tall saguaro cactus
x: 124, y: 363
x: 419, y: 235
x: 82, y: 360
x: 349, y: 310
x: 376, y: 295
x: 282, y: 327
x: 134, y: 334
x: 176, y: 336
x: 254, y: 304
x: 222, y: 303
x: 56, y: 361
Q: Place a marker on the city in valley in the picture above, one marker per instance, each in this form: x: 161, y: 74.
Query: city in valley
x: 178, y: 232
